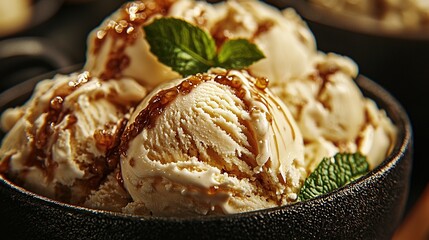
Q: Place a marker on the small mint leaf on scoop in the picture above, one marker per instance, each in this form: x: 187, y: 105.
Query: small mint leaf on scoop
x: 332, y: 173
x: 238, y: 54
x: 188, y: 49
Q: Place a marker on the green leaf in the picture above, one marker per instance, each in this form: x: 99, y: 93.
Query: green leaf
x: 188, y: 50
x: 332, y: 173
x: 184, y: 47
x: 238, y: 53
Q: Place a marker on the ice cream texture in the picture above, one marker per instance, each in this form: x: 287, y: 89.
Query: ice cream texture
x: 61, y: 143
x: 212, y: 143
x: 128, y: 134
x: 321, y: 101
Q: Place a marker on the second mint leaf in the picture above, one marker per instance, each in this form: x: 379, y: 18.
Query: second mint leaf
x: 332, y: 173
x: 238, y: 53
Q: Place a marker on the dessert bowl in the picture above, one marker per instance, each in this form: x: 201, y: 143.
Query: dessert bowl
x: 368, y: 208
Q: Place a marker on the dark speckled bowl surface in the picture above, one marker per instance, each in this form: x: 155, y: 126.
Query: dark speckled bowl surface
x: 370, y: 208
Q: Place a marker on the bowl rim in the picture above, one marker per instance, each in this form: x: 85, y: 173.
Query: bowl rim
x: 350, y: 22
x: 367, y: 86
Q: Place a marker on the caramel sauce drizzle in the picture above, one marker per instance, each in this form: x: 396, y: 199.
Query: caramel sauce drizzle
x: 157, y: 104
x: 124, y: 32
x: 107, y: 140
x: 55, y: 114
x: 322, y: 74
x: 381, y: 8
x: 221, y: 34
x: 5, y: 165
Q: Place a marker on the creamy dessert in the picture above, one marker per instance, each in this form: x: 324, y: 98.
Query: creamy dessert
x: 216, y: 142
x: 63, y: 141
x: 189, y: 108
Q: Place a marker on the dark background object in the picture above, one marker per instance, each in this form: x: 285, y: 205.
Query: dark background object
x: 60, y: 29
x: 26, y: 57
x: 369, y: 208
x: 399, y: 61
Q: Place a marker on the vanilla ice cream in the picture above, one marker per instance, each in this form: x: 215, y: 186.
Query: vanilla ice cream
x: 285, y: 40
x: 62, y: 142
x: 332, y: 113
x: 214, y: 143
x: 110, y: 195
x: 118, y: 47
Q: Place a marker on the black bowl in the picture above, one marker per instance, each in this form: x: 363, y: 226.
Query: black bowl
x: 369, y: 208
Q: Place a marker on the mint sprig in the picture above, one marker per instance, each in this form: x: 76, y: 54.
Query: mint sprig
x: 332, y: 173
x: 188, y: 49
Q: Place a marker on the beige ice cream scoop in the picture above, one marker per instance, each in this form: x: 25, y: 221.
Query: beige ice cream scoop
x: 61, y: 142
x: 213, y: 143
x: 118, y: 47
x: 333, y: 114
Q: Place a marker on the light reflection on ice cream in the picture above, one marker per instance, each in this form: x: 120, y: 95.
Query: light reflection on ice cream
x: 212, y: 143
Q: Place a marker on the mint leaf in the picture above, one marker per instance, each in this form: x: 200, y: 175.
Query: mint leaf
x: 238, y: 53
x: 188, y: 50
x: 332, y: 173
x: 184, y: 47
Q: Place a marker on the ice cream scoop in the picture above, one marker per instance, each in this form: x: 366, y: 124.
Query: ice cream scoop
x: 213, y: 143
x: 61, y: 142
x: 285, y: 40
x: 332, y: 113
x: 326, y: 103
x: 118, y: 47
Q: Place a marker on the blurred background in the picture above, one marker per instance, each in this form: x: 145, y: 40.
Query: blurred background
x: 39, y: 36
